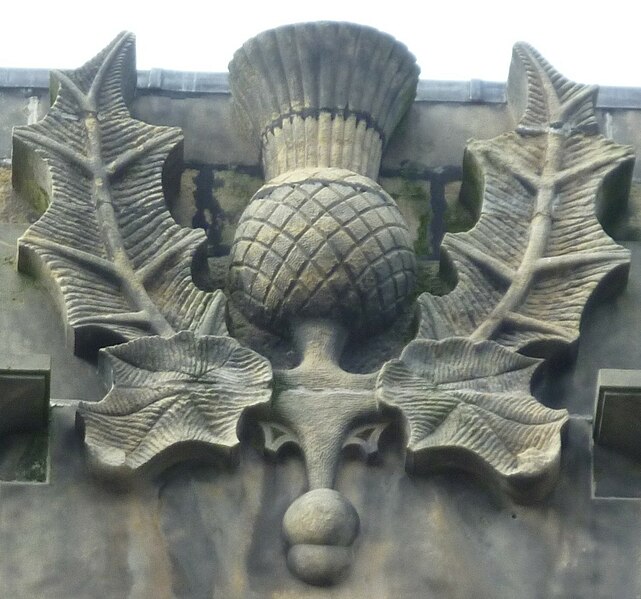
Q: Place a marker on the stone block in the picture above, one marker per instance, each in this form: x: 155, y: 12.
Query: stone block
x: 617, y: 419
x: 24, y: 392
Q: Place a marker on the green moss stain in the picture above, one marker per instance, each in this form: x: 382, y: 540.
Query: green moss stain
x: 36, y: 196
x: 612, y: 199
x: 422, y: 244
x: 412, y: 197
x: 32, y: 466
x: 401, y: 188
x: 471, y: 195
x: 184, y: 206
x: 24, y: 457
x: 25, y: 207
x: 31, y: 180
x: 411, y: 192
x: 463, y: 199
x: 630, y: 230
x: 458, y: 218
x: 232, y: 192
x: 5, y: 176
x: 431, y: 279
x: 237, y: 190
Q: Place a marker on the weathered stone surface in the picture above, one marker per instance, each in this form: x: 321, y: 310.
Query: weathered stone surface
x: 323, y: 98
x: 320, y: 528
x: 183, y: 208
x: 13, y: 207
x: 421, y: 133
x: 461, y: 402
x: 19, y: 107
x: 538, y: 251
x: 413, y: 200
x: 205, y: 531
x: 24, y: 457
x: 107, y: 245
x: 168, y: 392
x: 232, y: 191
x: 467, y: 404
x: 629, y: 227
x: 30, y: 325
x: 222, y: 146
x: 322, y: 243
x: 321, y: 517
x: 322, y: 250
x: 458, y: 216
x: 323, y: 94
x: 617, y: 415
x: 25, y: 383
x: 210, y: 531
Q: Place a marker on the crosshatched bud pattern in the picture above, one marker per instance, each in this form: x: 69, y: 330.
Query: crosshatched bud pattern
x: 330, y: 244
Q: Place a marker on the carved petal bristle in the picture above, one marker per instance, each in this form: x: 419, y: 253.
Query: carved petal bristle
x: 323, y: 94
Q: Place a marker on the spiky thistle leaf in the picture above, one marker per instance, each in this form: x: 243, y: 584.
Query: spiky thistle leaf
x: 170, y: 391
x: 107, y: 243
x: 528, y: 267
x: 468, y: 405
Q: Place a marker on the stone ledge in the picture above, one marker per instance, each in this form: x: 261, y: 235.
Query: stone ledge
x: 192, y: 82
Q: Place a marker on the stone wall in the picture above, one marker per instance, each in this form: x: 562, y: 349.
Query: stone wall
x: 197, y: 531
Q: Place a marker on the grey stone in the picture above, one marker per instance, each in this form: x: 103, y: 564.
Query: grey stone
x: 322, y: 243
x: 169, y: 393
x: 223, y: 146
x: 467, y: 405
x: 321, y: 517
x: 200, y: 530
x: 537, y: 252
x: 323, y: 94
x: 119, y: 264
x: 320, y: 527
x: 319, y: 564
x: 460, y: 398
x: 24, y: 392
x: 321, y: 250
x: 29, y: 324
x: 617, y: 418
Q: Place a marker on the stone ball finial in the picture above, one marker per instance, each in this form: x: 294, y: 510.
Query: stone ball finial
x: 320, y: 527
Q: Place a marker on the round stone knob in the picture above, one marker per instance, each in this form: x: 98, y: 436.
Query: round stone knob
x: 320, y: 528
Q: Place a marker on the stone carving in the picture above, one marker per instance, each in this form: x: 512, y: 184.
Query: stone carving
x: 322, y: 239
x: 321, y: 254
x: 538, y: 250
x: 474, y: 397
x: 168, y: 391
x: 321, y: 243
x: 120, y: 265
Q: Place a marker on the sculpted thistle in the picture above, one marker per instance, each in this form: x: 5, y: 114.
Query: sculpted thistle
x: 321, y: 254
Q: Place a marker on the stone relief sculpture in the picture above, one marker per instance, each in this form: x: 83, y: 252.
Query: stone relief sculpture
x: 322, y: 254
